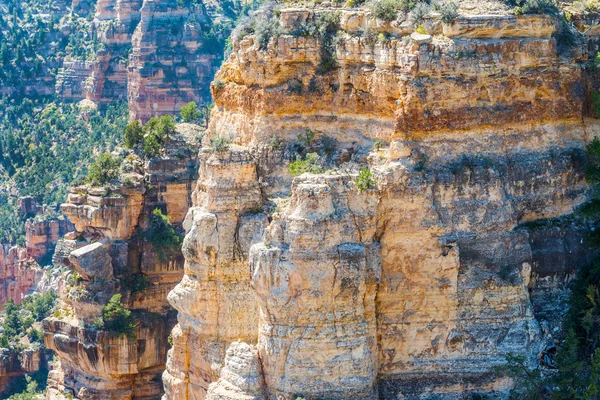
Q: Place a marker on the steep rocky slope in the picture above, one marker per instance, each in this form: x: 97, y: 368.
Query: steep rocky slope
x: 109, y: 253
x: 418, y: 285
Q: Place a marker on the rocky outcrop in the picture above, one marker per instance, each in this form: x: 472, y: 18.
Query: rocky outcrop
x: 15, y: 363
x: 215, y: 300
x: 415, y: 284
x: 18, y: 273
x: 111, y: 253
x: 42, y: 234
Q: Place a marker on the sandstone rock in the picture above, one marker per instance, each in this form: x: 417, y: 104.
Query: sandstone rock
x: 241, y: 377
x: 420, y: 38
x: 112, y: 253
x: 92, y: 262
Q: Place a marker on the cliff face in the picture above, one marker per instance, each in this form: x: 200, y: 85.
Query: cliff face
x: 158, y: 55
x: 418, y: 285
x: 111, y: 254
x: 170, y: 64
x: 20, y: 267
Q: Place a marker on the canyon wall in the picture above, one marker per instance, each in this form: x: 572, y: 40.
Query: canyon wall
x: 417, y: 283
x: 109, y: 252
x: 157, y: 55
x: 20, y: 270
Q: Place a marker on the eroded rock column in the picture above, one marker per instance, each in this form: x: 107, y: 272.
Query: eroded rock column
x: 315, y: 276
x: 215, y: 301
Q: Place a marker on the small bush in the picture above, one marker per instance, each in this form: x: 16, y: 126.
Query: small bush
x: 421, y: 29
x: 162, y: 235
x: 35, y: 336
x: 116, y: 318
x: 306, y: 138
x: 219, y: 144
x: 134, y: 134
x: 135, y: 282
x: 218, y: 84
x: 309, y: 165
x: 366, y: 180
x: 190, y: 112
x: 276, y: 143
x: 418, y: 14
x: 103, y: 170
x: 448, y: 12
x: 386, y: 10
x: 265, y: 30
x: 538, y: 7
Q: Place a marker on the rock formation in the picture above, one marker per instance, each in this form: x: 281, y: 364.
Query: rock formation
x: 158, y: 55
x: 17, y: 363
x: 417, y: 283
x: 20, y: 267
x: 109, y: 254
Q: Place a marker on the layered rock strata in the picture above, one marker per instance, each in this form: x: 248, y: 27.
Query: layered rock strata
x: 110, y: 253
x: 415, y: 286
x: 157, y: 55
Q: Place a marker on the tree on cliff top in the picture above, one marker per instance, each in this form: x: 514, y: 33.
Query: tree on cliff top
x: 103, y: 170
x: 190, y: 112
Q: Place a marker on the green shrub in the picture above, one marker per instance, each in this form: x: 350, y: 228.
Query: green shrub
x: 116, y: 318
x: 135, y: 282
x: 306, y: 138
x: 309, y: 165
x: 421, y: 29
x: 538, y: 7
x: 103, y: 170
x: 265, y: 30
x: 276, y: 143
x: 162, y: 235
x: 134, y: 134
x: 219, y: 144
x: 386, y: 10
x: 190, y: 112
x: 40, y: 305
x: 35, y: 336
x: 418, y: 14
x: 366, y: 180
x: 151, y: 147
x: 448, y: 12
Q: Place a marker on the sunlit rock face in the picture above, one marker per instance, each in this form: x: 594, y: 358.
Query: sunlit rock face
x: 418, y: 285
x: 110, y: 253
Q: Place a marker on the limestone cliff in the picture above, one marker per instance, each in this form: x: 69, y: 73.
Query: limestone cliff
x: 418, y: 282
x: 109, y: 253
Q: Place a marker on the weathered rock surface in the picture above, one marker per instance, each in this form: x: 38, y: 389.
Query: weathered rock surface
x: 111, y: 253
x: 418, y: 286
x: 241, y: 377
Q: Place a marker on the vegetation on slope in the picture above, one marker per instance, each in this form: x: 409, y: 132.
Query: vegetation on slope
x: 45, y: 146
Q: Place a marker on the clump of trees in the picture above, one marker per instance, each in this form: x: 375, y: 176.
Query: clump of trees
x: 151, y: 137
x: 19, y: 318
x: 103, y: 170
